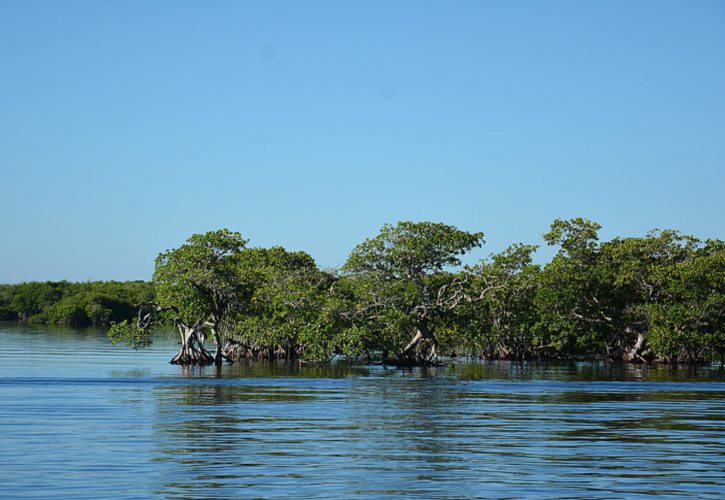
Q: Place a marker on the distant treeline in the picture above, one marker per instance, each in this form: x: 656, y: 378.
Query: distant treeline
x: 65, y: 303
x: 404, y: 296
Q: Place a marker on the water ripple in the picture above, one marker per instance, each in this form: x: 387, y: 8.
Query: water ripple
x: 93, y: 422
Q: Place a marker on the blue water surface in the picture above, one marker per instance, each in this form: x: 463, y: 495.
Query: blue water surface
x: 82, y: 419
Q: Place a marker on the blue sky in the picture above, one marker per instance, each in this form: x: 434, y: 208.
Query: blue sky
x: 126, y: 126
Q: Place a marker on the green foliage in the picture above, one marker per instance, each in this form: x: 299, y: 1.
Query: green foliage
x: 410, y: 250
x: 396, y: 280
x: 93, y: 303
x: 574, y: 236
x: 576, y: 304
x: 687, y: 324
x: 196, y: 287
x: 199, y: 277
x: 656, y: 297
x: 288, y: 304
x: 599, y: 299
x: 130, y: 333
x: 6, y: 312
x: 501, y: 324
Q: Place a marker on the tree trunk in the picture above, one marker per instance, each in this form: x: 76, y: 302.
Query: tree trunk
x: 192, y: 351
x: 217, y: 345
x: 638, y: 353
x: 422, y: 349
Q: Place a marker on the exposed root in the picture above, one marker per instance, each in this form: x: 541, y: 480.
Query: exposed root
x: 235, y: 350
x: 638, y: 353
x: 192, y: 351
x: 192, y: 356
x: 421, y: 351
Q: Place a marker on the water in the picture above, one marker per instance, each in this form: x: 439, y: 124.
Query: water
x: 81, y: 419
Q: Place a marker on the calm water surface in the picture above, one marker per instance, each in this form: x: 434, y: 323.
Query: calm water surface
x: 81, y: 419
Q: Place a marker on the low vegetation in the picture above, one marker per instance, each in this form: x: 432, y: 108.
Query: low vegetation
x: 96, y: 303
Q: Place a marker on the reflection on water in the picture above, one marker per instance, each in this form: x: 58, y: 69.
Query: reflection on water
x: 96, y: 421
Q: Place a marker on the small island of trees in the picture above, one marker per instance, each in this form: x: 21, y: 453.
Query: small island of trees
x: 405, y: 298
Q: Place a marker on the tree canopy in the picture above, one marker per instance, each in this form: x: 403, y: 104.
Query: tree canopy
x: 196, y: 289
x: 405, y: 297
x: 402, y: 285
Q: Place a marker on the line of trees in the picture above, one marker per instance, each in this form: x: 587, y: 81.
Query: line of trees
x: 96, y: 303
x: 405, y: 296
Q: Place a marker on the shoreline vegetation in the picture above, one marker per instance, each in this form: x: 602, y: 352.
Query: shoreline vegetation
x: 93, y: 303
x: 404, y: 295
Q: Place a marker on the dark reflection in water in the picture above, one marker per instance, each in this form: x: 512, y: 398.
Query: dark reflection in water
x: 96, y: 422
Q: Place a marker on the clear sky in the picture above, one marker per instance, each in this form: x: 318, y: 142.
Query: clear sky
x: 126, y: 126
